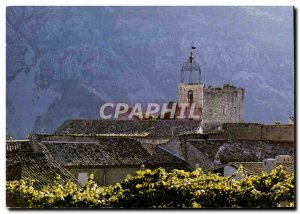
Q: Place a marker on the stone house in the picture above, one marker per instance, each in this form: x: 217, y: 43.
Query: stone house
x: 22, y: 162
x: 256, y: 168
x: 233, y: 143
x: 109, y: 159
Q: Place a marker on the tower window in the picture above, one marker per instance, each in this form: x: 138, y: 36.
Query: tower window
x: 190, y: 97
x: 223, y: 110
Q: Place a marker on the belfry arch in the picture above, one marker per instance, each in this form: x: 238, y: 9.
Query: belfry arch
x: 190, y: 97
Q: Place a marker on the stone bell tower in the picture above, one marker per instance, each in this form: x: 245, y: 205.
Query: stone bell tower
x: 190, y: 88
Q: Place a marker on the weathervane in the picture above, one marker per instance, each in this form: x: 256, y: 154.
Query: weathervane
x: 190, y: 68
x: 192, y: 45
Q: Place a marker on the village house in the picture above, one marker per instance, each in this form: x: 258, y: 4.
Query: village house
x: 23, y: 162
x: 255, y: 168
x: 110, y: 159
x: 234, y: 142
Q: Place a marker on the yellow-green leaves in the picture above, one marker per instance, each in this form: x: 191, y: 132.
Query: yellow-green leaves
x: 160, y: 189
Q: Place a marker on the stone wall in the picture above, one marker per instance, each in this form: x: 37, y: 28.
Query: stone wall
x: 278, y: 132
x: 197, y: 95
x: 104, y: 176
x: 175, y: 146
x: 250, y: 131
x: 209, y: 127
x: 223, y: 104
x: 114, y: 175
x: 178, y: 145
x: 229, y: 170
x: 154, y: 140
x: 197, y: 159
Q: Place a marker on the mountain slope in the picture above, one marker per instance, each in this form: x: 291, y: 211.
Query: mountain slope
x: 64, y: 62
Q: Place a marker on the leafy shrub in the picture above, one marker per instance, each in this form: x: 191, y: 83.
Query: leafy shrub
x: 160, y: 189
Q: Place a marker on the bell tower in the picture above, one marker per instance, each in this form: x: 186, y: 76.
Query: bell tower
x: 190, y: 88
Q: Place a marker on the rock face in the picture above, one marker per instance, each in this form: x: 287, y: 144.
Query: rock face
x: 64, y: 62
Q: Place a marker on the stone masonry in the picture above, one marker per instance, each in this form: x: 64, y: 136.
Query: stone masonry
x: 215, y: 105
x: 222, y: 105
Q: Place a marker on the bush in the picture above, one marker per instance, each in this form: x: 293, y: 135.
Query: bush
x: 160, y: 189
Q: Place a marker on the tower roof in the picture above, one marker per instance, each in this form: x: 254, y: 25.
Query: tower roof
x: 190, y: 70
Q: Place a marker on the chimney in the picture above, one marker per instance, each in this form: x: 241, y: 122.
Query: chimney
x: 268, y: 165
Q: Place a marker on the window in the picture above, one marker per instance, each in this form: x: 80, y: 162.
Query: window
x: 83, y: 177
x: 190, y: 97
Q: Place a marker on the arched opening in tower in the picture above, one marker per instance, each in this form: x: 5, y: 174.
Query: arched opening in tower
x: 190, y: 97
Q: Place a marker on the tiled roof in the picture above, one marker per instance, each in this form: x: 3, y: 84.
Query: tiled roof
x: 256, y: 168
x: 38, y: 166
x: 130, y: 127
x: 110, y: 152
x: 250, y: 168
x: 237, y: 151
x: 23, y: 163
x: 18, y: 146
x: 241, y: 150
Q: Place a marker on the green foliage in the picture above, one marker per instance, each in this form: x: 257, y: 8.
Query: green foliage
x: 160, y: 189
